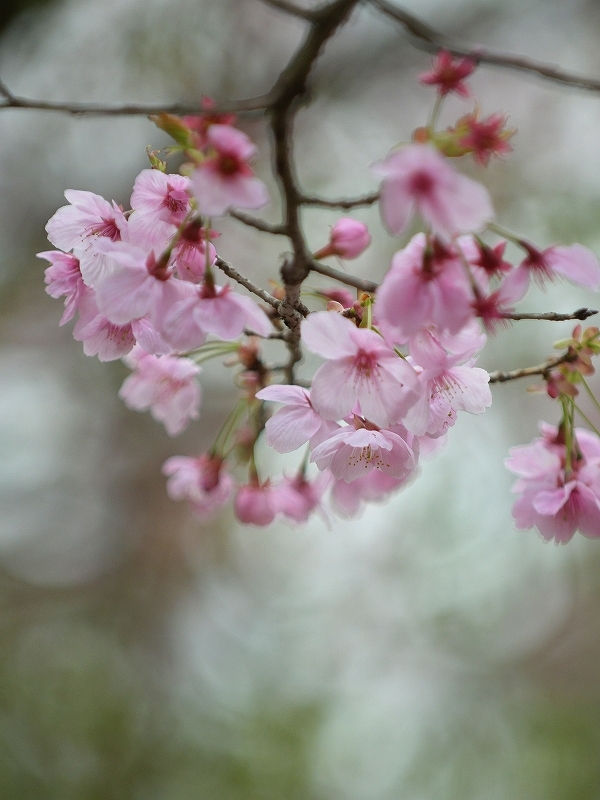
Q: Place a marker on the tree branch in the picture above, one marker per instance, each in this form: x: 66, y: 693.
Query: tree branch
x: 525, y: 372
x: 431, y: 40
x: 232, y: 273
x: 349, y: 280
x: 290, y: 8
x: 553, y: 316
x: 366, y: 200
x: 259, y: 224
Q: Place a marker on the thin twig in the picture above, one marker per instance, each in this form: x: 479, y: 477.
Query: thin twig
x: 349, y: 280
x: 232, y: 273
x: 525, y: 372
x: 259, y: 224
x: 366, y: 200
x: 431, y: 40
x: 290, y: 8
x: 553, y: 316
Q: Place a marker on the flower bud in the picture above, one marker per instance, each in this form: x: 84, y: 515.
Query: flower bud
x: 349, y: 238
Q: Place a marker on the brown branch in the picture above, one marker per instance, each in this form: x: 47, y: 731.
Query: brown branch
x: 232, y: 273
x: 366, y: 200
x: 553, y: 316
x: 290, y: 8
x: 525, y: 372
x: 431, y: 40
x: 349, y: 280
x: 259, y: 224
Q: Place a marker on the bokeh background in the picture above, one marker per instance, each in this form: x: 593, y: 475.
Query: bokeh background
x: 425, y: 651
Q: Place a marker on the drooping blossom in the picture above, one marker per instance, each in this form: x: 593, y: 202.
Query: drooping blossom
x: 555, y: 497
x: 63, y: 279
x: 360, y: 447
x: 203, y: 482
x: 484, y: 138
x: 348, y: 239
x: 225, y: 180
x: 449, y: 384
x: 348, y: 499
x: 164, y: 385
x: 361, y: 368
x: 255, y: 504
x: 297, y: 422
x: 418, y: 178
x: 160, y: 203
x: 101, y: 337
x: 448, y: 74
x: 212, y: 309
x: 200, y: 123
x: 298, y: 497
x: 574, y: 262
x: 189, y: 254
x: 79, y: 226
x: 425, y: 285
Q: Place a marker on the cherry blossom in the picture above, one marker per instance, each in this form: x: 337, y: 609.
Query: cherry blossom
x: 418, y: 178
x: 166, y: 386
x: 225, y: 180
x: 575, y: 262
x: 448, y: 74
x: 63, y: 279
x: 160, y: 203
x: 256, y: 504
x: 349, y: 238
x: 202, y: 481
x: 297, y: 497
x: 297, y: 422
x: 361, y: 368
x: 484, y: 138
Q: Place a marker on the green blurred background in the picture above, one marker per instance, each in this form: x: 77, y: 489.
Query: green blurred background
x: 426, y: 651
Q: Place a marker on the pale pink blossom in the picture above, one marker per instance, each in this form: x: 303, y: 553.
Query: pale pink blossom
x: 63, y: 279
x: 79, y: 226
x: 348, y: 499
x: 297, y: 422
x: 255, y: 504
x: 100, y: 336
x: 361, y: 447
x: 189, y: 254
x: 202, y: 481
x: 160, y: 203
x: 225, y: 180
x: 418, y: 178
x: 361, y: 368
x: 297, y: 497
x: 166, y: 386
x: 425, y: 285
x: 349, y: 238
x: 212, y: 309
x: 450, y: 385
x: 575, y: 262
x: 557, y: 498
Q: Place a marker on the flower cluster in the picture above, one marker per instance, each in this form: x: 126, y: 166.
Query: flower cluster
x: 398, y: 363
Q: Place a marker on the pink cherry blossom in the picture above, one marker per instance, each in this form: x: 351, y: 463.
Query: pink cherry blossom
x: 202, y: 481
x: 297, y: 497
x: 556, y: 499
x: 212, y: 309
x: 225, y: 180
x: 165, y: 385
x: 361, y: 447
x: 348, y: 499
x: 349, y: 238
x: 361, y: 368
x: 297, y: 422
x: 448, y: 74
x: 418, y: 178
x: 575, y: 262
x: 426, y: 285
x: 189, y: 254
x: 100, y: 336
x: 63, y: 278
x: 255, y: 504
x: 160, y: 203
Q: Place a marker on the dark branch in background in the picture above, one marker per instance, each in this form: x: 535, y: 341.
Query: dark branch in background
x: 526, y: 372
x: 259, y: 224
x: 290, y: 8
x: 431, y: 40
x: 346, y: 203
x: 553, y: 316
x: 350, y: 280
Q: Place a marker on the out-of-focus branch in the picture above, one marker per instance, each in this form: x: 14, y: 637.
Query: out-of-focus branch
x: 346, y: 203
x: 349, y: 280
x: 290, y: 8
x: 553, y: 316
x: 526, y: 372
x: 427, y: 38
x: 259, y: 224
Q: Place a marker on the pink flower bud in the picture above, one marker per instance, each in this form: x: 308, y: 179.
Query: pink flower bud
x: 255, y: 504
x: 349, y: 238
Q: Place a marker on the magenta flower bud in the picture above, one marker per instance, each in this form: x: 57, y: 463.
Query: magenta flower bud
x: 255, y: 504
x: 349, y: 238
